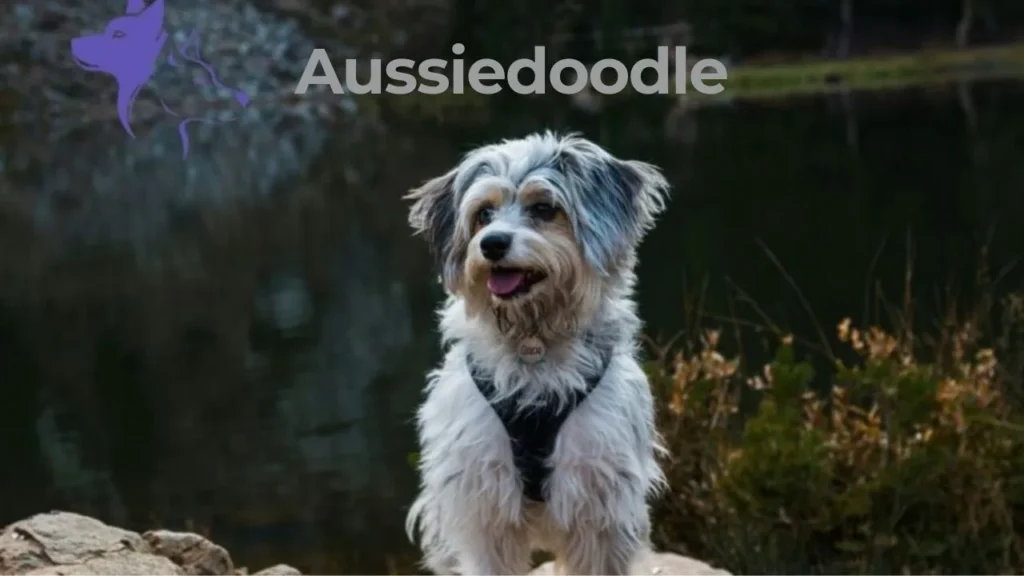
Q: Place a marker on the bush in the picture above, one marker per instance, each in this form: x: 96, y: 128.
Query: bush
x: 908, y: 463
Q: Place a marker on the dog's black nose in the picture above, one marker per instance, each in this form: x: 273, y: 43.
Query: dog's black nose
x: 495, y: 245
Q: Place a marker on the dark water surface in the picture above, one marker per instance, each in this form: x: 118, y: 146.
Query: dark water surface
x: 256, y: 380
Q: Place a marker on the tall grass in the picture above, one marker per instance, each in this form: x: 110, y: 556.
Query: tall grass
x: 909, y: 460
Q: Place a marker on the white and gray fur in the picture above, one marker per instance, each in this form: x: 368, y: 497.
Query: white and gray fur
x: 471, y: 515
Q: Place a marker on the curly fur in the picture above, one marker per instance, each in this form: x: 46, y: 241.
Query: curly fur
x: 471, y: 514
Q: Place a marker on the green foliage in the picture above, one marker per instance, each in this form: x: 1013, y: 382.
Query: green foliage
x: 905, y: 465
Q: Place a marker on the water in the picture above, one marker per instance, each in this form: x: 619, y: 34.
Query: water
x: 253, y: 374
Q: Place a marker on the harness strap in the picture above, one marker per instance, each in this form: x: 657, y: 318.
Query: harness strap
x: 532, y: 431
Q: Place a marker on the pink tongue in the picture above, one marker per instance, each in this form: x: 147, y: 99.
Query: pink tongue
x: 503, y: 283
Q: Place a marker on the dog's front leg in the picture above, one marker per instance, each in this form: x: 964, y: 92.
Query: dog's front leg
x: 601, y: 474
x: 602, y: 515
x: 485, y: 522
x: 463, y: 534
x: 471, y: 507
x: 473, y: 523
x: 496, y: 548
x: 590, y: 550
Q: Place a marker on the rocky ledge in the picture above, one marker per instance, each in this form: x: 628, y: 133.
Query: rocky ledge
x: 62, y: 543
x: 67, y: 544
x: 654, y: 563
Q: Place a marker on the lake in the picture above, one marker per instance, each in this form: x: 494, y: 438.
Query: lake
x: 248, y: 366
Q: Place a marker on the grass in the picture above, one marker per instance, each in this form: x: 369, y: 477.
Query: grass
x: 909, y: 459
x: 889, y: 72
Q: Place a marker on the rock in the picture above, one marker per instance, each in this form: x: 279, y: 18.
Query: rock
x: 79, y: 180
x: 278, y: 570
x: 66, y: 544
x: 61, y: 543
x: 195, y: 554
x: 651, y: 563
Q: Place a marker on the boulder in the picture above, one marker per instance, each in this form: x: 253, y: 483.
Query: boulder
x: 651, y: 563
x: 278, y: 570
x: 66, y: 544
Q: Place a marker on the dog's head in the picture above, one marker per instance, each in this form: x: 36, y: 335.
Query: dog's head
x: 128, y: 47
x: 539, y: 229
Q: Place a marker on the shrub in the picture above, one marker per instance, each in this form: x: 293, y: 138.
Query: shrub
x: 906, y: 463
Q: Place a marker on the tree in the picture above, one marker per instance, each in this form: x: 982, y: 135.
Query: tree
x: 846, y: 27
x: 963, y: 28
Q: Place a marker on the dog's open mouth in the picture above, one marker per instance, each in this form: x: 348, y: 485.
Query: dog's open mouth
x: 511, y: 282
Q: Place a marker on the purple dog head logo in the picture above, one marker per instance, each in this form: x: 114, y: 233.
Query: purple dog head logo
x: 129, y: 49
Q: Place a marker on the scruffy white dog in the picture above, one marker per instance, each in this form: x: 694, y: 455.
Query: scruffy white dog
x: 537, y: 431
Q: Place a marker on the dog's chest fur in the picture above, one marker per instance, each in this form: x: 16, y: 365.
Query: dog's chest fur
x: 532, y: 429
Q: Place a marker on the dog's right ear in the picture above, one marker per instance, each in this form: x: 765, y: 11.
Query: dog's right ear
x: 433, y: 216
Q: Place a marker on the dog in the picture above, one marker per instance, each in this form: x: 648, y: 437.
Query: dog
x: 129, y: 49
x: 537, y: 431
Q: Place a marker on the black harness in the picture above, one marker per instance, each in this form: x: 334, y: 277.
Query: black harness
x: 532, y: 431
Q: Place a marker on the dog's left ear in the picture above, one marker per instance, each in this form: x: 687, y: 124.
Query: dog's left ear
x: 619, y: 201
x: 645, y: 189
x: 433, y: 215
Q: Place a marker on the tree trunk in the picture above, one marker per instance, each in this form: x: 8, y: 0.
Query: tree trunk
x: 846, y: 31
x: 963, y: 29
x: 850, y: 113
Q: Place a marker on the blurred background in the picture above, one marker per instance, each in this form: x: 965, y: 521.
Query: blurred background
x: 235, y: 343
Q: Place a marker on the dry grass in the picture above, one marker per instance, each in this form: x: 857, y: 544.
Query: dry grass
x: 908, y: 457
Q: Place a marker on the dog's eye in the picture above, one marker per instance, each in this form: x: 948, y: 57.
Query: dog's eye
x: 118, y: 34
x: 484, y: 216
x: 543, y: 211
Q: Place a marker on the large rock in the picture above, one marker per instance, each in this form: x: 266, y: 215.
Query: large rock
x: 651, y: 563
x: 62, y: 543
x: 72, y: 172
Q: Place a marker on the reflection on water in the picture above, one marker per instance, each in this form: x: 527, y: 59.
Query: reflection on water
x: 254, y: 371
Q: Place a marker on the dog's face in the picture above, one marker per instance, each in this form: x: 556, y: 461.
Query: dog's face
x: 129, y: 45
x: 523, y: 259
x: 538, y: 229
